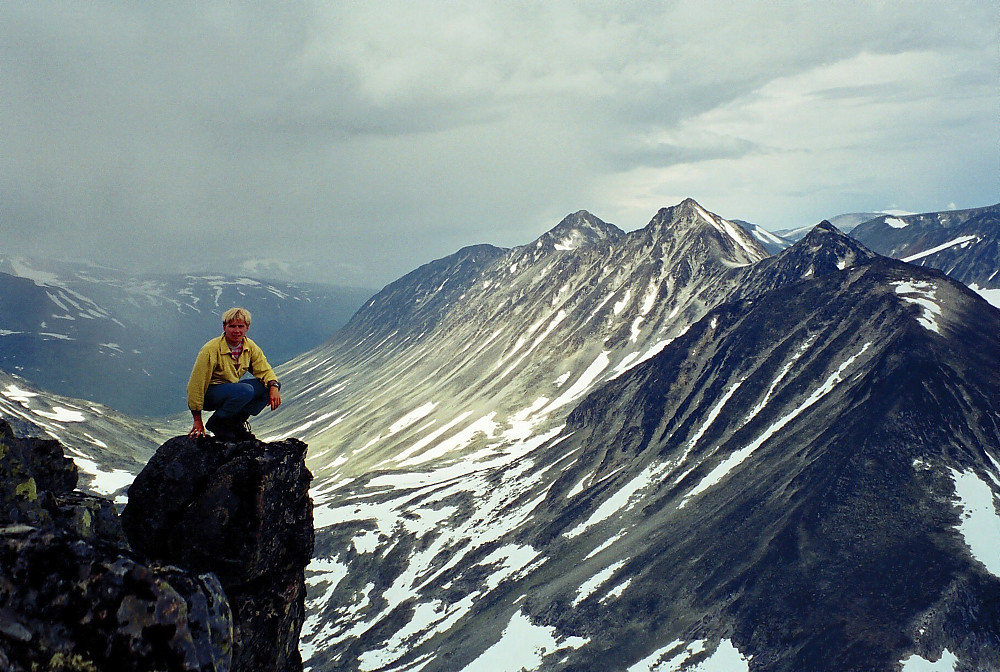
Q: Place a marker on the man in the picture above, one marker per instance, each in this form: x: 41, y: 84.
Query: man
x: 216, y: 382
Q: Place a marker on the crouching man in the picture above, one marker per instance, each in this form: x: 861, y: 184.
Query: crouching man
x: 217, y: 382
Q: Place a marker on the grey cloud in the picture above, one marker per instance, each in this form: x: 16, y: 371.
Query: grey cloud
x: 363, y: 139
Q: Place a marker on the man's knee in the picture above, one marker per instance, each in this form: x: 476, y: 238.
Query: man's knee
x: 229, y: 398
x: 242, y: 394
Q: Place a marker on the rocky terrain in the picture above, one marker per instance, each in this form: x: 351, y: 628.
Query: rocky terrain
x: 79, y: 593
x: 242, y: 512
x: 965, y: 244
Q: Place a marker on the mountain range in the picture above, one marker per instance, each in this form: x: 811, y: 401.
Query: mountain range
x: 643, y: 451
x: 99, y: 333
x: 649, y: 451
x: 963, y: 243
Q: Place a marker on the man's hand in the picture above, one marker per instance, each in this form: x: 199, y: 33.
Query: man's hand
x: 198, y: 430
x: 274, y: 397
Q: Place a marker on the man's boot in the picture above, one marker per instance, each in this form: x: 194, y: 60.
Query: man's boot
x: 221, y: 428
x: 241, y: 428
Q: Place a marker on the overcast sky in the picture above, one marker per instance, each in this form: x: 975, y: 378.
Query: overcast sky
x: 356, y: 141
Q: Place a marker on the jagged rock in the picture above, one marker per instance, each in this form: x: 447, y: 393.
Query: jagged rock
x: 73, y: 596
x: 66, y: 598
x: 243, y: 512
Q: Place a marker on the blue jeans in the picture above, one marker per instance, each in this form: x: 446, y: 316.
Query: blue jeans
x: 236, y: 400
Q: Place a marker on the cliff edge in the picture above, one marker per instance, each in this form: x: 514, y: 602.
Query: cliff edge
x: 242, y: 512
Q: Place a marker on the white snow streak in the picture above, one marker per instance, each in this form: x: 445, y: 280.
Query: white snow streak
x: 431, y: 438
x: 712, y: 415
x: 596, y: 581
x: 560, y: 316
x: 961, y: 240
x: 407, y: 420
x: 484, y: 425
x: 737, y: 457
x: 621, y: 500
x: 583, y: 383
x: 412, y: 417
x: 729, y: 229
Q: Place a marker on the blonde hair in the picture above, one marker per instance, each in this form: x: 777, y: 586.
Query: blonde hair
x: 234, y: 314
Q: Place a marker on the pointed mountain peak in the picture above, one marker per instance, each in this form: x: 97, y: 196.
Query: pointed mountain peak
x: 688, y: 220
x: 825, y: 249
x: 579, y: 229
x: 687, y: 210
x: 826, y: 234
x: 826, y: 226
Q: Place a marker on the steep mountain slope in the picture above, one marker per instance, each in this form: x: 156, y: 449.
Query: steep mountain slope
x: 82, y: 330
x: 787, y: 485
x: 965, y: 244
x: 649, y: 451
x: 492, y: 343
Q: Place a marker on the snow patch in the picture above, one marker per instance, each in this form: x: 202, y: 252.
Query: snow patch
x: 105, y: 482
x: 980, y: 523
x: 896, y: 223
x: 60, y: 414
x: 991, y: 295
x: 522, y: 646
x: 921, y: 294
x: 726, y: 658
x: 960, y: 241
x: 14, y: 393
x: 946, y: 663
x: 620, y: 305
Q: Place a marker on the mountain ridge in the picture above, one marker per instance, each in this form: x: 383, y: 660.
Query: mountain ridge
x: 601, y: 542
x: 628, y: 288
x: 659, y: 450
x: 963, y: 243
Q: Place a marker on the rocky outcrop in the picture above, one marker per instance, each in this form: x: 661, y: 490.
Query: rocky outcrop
x: 242, y: 512
x: 209, y: 578
x: 73, y: 596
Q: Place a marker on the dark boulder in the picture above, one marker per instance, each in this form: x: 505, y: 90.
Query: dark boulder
x: 241, y: 511
x: 73, y: 596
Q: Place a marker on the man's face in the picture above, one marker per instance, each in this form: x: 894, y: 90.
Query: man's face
x: 235, y: 331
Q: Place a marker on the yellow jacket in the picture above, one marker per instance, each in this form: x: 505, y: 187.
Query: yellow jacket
x: 215, y: 365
